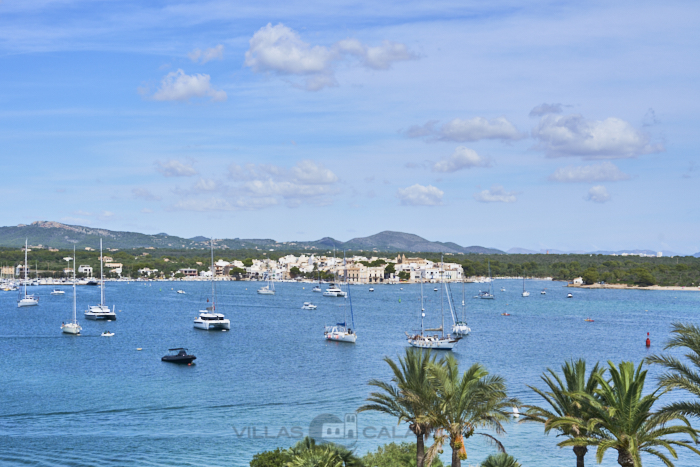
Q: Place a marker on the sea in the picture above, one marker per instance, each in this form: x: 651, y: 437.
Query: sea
x: 110, y: 401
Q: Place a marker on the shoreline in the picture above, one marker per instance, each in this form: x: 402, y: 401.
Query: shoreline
x: 636, y: 287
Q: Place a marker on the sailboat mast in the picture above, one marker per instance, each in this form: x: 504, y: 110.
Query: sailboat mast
x: 422, y: 308
x: 442, y: 308
x: 213, y: 298
x: 75, y: 305
x: 26, y: 243
x: 102, y: 277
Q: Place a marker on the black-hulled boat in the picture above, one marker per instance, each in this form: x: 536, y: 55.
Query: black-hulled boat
x: 179, y: 357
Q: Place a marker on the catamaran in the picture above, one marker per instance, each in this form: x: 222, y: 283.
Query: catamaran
x: 72, y: 327
x: 26, y: 300
x: 487, y: 294
x: 208, y: 318
x: 435, y: 341
x: 341, y: 332
x: 101, y: 311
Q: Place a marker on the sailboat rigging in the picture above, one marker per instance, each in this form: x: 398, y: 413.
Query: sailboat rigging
x: 73, y: 327
x: 101, y: 311
x: 208, y: 318
x: 26, y: 300
x: 341, y: 332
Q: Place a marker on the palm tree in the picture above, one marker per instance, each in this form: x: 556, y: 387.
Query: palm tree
x: 500, y: 460
x: 466, y: 403
x: 680, y: 375
x: 409, y: 396
x: 306, y: 453
x: 562, y: 404
x: 621, y: 418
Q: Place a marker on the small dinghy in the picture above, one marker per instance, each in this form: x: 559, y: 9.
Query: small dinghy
x: 570, y: 296
x: 58, y: 292
x: 179, y: 357
x: 308, y: 306
x: 181, y: 291
x: 107, y: 334
x: 371, y: 289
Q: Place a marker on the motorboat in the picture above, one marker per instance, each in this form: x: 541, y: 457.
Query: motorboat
x: 209, y: 319
x: 73, y: 327
x: 371, y: 289
x: 334, y: 291
x: 93, y: 282
x: 435, y: 289
x: 180, y: 357
x: 589, y: 320
x: 101, y: 311
x: 107, y: 334
x: 544, y: 292
x: 505, y: 314
x: 25, y: 299
x: 57, y: 292
x: 317, y: 288
x: 308, y: 306
x: 484, y: 294
x: 570, y: 295
x: 181, y: 291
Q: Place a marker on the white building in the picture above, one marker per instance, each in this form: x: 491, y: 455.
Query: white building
x: 578, y: 281
x: 85, y: 269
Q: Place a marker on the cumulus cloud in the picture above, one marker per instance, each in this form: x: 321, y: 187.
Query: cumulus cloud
x: 419, y: 195
x: 280, y: 50
x: 145, y: 194
x: 207, y: 55
x: 223, y: 204
x: 604, y: 172
x: 544, y: 109
x: 462, y: 158
x: 573, y: 135
x: 307, y: 181
x: 178, y: 86
x: 598, y: 194
x: 473, y: 129
x: 174, y: 168
x: 496, y: 194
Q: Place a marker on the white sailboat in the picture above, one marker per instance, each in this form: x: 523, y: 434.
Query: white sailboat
x: 460, y: 327
x: 317, y: 287
x: 341, y: 332
x: 525, y: 292
x: 435, y: 341
x: 101, y: 311
x: 73, y: 327
x: 268, y: 289
x: 208, y: 319
x: 488, y: 295
x: 26, y: 300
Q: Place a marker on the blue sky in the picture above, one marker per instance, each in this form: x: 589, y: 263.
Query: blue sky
x: 561, y: 125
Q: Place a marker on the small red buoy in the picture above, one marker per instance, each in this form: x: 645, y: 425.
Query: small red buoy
x: 648, y: 341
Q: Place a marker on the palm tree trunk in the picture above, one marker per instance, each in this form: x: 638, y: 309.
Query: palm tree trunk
x: 580, y: 452
x: 625, y: 459
x: 420, y: 450
x: 456, y: 461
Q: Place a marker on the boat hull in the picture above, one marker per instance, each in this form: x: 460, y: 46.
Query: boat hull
x: 71, y: 328
x: 181, y: 359
x: 27, y: 302
x: 434, y: 343
x: 212, y: 326
x: 341, y: 337
x: 100, y: 316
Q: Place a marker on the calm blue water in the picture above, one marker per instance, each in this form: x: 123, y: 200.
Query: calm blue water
x: 90, y: 400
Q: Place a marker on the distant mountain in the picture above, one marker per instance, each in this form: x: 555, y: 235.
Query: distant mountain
x: 522, y: 251
x: 57, y: 235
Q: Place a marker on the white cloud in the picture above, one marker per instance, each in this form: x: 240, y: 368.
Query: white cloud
x: 604, y: 172
x: 473, y: 129
x: 205, y: 184
x: 544, y: 109
x: 279, y: 49
x: 178, y: 86
x: 573, y: 135
x: 174, y: 168
x: 207, y: 55
x: 496, y: 194
x: 145, y: 194
x: 312, y: 173
x: 462, y: 158
x: 419, y: 195
x: 598, y: 194
x: 222, y: 204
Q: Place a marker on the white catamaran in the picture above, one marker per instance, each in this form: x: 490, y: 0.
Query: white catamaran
x: 437, y: 342
x: 209, y: 319
x: 101, y: 311
x: 26, y: 300
x: 341, y: 332
x: 73, y: 327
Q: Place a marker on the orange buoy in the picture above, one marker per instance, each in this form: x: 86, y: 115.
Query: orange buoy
x: 648, y: 341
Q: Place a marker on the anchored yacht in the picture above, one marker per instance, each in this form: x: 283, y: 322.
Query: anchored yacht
x: 73, y: 327
x: 209, y: 319
x: 334, y: 291
x: 101, y: 311
x: 26, y: 300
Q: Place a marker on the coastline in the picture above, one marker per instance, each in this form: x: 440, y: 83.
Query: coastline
x: 635, y: 287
